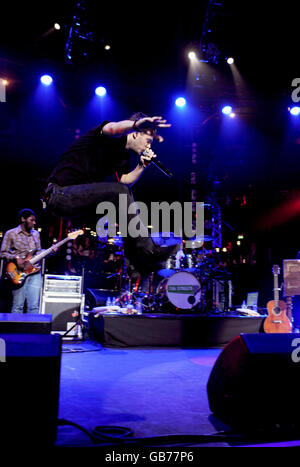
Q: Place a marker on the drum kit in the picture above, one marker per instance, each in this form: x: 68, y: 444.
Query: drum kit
x: 185, y: 283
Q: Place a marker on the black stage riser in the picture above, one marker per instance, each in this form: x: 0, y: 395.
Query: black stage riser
x: 162, y: 330
x: 254, y: 384
x: 29, y: 389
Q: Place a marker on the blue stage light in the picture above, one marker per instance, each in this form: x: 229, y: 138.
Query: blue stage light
x: 180, y: 102
x: 46, y: 80
x: 295, y: 110
x: 100, y: 91
x: 227, y: 110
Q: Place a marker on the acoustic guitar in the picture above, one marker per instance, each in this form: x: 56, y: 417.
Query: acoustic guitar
x: 18, y: 276
x: 277, y: 320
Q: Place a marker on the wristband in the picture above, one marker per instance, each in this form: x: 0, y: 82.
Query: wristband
x: 134, y: 127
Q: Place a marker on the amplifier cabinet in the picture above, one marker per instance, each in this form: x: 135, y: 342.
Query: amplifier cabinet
x: 291, y: 277
x: 56, y: 285
x: 65, y: 311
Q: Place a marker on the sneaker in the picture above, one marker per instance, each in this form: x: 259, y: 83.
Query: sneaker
x: 162, y: 253
x: 159, y: 257
x: 148, y: 262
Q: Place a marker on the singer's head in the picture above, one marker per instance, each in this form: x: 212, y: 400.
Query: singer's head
x: 144, y: 131
x: 140, y: 140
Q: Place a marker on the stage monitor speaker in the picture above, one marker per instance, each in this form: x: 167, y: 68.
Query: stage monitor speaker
x: 255, y: 382
x: 98, y: 297
x: 25, y: 323
x: 29, y: 389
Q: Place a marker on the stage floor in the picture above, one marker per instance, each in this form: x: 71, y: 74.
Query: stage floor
x: 153, y: 392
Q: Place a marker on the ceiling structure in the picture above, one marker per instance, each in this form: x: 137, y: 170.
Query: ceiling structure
x: 152, y: 40
x: 147, y: 61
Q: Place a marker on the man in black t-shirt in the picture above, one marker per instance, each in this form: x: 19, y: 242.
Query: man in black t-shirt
x: 83, y: 177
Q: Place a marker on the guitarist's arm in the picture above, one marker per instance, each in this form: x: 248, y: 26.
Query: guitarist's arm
x: 6, y: 248
x: 7, y: 252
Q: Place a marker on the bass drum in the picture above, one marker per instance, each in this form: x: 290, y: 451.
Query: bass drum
x: 182, y: 289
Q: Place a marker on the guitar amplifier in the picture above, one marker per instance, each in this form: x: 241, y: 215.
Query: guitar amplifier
x: 56, y: 285
x: 63, y: 299
x: 65, y: 311
x: 291, y: 277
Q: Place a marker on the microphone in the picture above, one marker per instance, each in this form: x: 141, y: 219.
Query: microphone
x: 158, y: 164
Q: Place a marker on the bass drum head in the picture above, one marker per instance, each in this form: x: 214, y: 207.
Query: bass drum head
x: 183, y: 290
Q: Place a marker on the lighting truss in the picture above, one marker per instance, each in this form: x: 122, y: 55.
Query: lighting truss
x: 209, y: 51
x: 80, y: 36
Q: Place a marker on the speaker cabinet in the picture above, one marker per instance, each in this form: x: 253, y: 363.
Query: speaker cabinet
x: 254, y: 384
x: 29, y: 389
x: 98, y: 297
x: 26, y: 323
x: 64, y: 311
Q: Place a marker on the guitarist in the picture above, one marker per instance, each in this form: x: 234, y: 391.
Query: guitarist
x: 15, y: 243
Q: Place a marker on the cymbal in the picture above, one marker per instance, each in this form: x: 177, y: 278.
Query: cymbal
x: 165, y: 238
x: 197, y: 241
x: 166, y: 272
x: 200, y: 238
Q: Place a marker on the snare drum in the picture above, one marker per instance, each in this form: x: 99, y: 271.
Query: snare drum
x: 182, y: 289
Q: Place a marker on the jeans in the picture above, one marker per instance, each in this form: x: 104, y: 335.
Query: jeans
x: 29, y: 292
x: 74, y: 200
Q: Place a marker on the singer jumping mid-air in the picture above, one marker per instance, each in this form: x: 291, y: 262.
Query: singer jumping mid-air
x: 96, y: 168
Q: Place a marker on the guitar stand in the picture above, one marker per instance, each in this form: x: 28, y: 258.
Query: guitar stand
x: 80, y: 325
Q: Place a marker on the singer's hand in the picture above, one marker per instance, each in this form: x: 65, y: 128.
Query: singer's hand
x: 147, y: 157
x: 151, y: 123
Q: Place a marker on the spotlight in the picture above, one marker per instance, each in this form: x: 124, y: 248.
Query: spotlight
x: 230, y: 60
x: 180, y: 102
x: 227, y: 110
x: 46, y: 80
x: 100, y: 91
x: 232, y: 115
x: 192, y: 55
x: 4, y: 82
x: 107, y: 47
x: 294, y: 110
x: 57, y: 26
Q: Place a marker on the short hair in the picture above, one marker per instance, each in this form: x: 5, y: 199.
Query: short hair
x: 137, y: 116
x: 26, y: 213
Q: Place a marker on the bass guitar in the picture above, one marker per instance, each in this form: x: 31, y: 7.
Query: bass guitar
x: 18, y: 276
x: 277, y: 320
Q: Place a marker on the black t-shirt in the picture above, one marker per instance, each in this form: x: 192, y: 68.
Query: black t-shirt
x: 92, y: 158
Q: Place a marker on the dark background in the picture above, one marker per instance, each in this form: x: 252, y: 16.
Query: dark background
x: 251, y: 163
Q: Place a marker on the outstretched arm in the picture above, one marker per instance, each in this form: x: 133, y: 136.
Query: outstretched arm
x: 128, y: 126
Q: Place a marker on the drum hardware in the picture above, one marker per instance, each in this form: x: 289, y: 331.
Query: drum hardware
x: 172, y: 264
x: 185, y: 283
x: 188, y: 263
